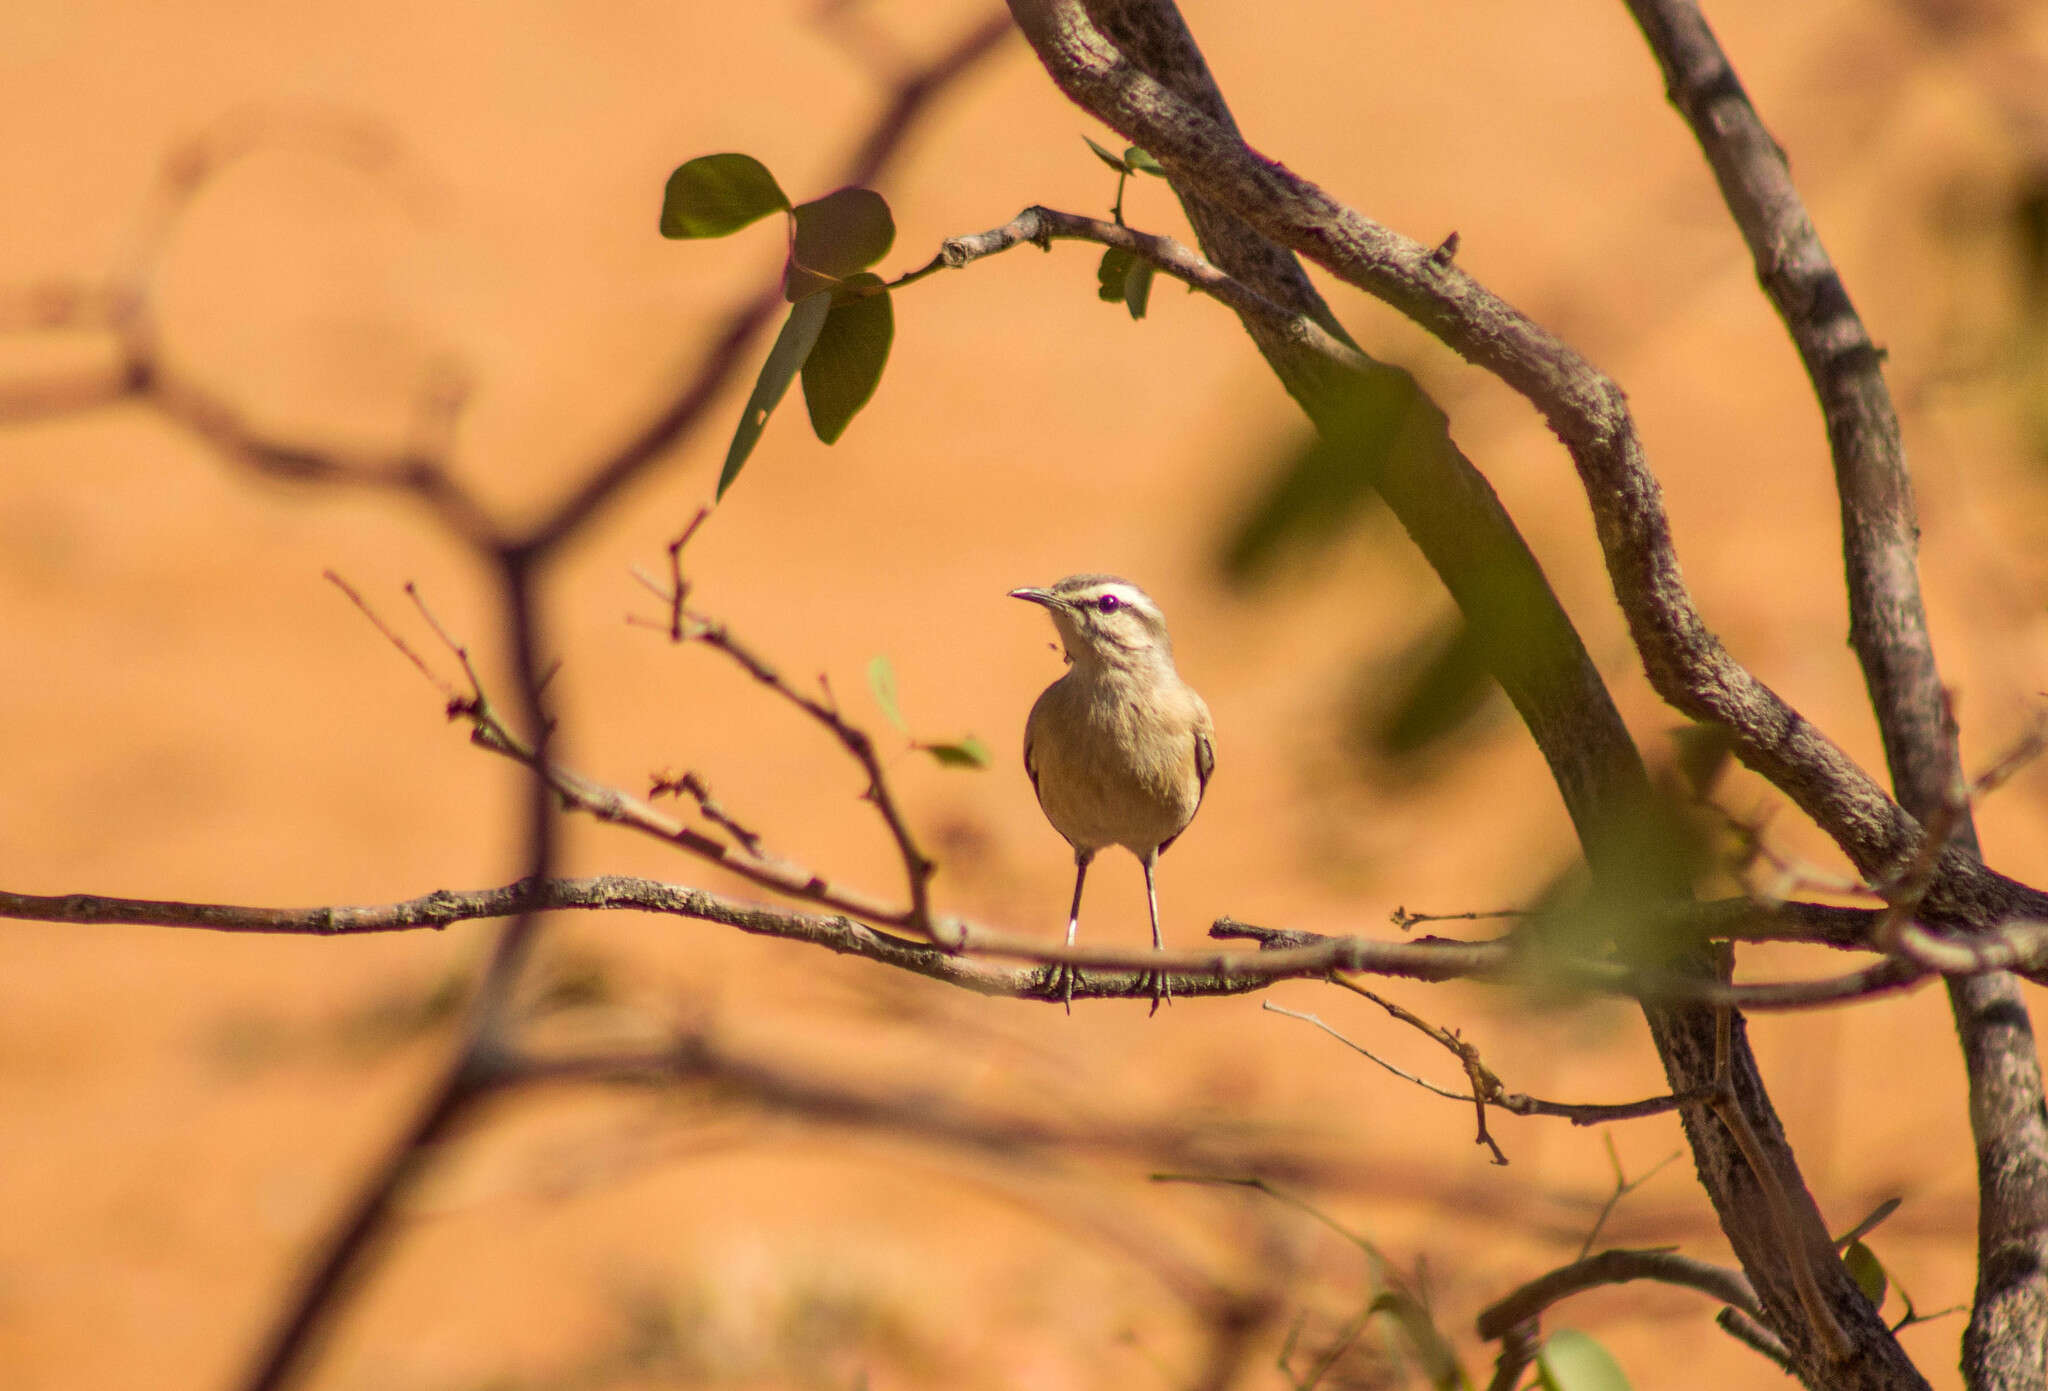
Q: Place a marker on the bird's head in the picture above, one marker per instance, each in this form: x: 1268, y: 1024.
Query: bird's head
x: 1104, y: 621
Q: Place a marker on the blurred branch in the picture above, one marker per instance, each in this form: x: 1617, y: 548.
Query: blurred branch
x: 124, y: 308
x: 1528, y: 1301
x: 699, y: 1059
x: 914, y: 94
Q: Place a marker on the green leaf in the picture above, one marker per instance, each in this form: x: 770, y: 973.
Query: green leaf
x: 836, y: 235
x: 969, y: 752
x: 1574, y: 1361
x: 1867, y: 1271
x: 716, y: 195
x: 1138, y: 287
x: 1878, y: 1215
x: 1142, y: 163
x: 1107, y: 158
x: 845, y: 366
x: 882, y: 684
x: 1113, y: 274
x: 792, y: 346
x: 1439, y: 1362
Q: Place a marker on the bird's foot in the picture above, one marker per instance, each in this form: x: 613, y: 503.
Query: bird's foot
x: 1162, y: 991
x: 1063, y: 984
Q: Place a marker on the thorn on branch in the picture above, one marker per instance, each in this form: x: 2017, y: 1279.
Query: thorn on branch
x: 1446, y: 250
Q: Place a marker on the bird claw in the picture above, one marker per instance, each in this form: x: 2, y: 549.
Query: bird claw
x: 1162, y: 991
x: 1063, y: 982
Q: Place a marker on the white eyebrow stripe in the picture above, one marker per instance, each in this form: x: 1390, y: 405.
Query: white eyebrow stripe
x: 1127, y: 594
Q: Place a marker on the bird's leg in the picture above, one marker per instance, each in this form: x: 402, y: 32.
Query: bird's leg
x: 1064, y: 976
x: 1162, y: 991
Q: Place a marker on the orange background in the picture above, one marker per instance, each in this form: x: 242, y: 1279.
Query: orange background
x: 190, y: 712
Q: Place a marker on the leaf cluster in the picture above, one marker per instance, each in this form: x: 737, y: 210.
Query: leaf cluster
x: 841, y: 322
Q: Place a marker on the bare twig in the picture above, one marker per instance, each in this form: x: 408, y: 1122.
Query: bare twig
x: 1404, y: 919
x: 689, y: 784
x: 391, y: 635
x: 1623, y: 1186
x: 1517, y: 1103
x: 1751, y: 1333
x: 1529, y: 1301
x: 687, y: 626
x: 1040, y: 227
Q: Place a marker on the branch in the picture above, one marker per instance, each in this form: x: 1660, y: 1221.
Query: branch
x: 685, y: 626
x: 2007, y: 1339
x: 1117, y: 974
x: 700, y: 1059
x: 1039, y: 227
x: 1615, y: 1268
x: 1489, y: 1091
x: 1589, y: 413
x: 912, y: 99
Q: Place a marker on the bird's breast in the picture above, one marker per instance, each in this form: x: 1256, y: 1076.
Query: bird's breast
x: 1114, y: 762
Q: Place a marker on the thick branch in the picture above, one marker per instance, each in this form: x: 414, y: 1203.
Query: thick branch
x: 2007, y: 1341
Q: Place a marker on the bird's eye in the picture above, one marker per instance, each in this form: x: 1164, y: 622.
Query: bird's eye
x: 1109, y: 603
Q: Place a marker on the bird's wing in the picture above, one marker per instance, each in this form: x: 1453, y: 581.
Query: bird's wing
x: 1030, y: 767
x: 1205, y: 760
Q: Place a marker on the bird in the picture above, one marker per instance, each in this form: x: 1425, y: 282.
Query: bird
x: 1119, y: 749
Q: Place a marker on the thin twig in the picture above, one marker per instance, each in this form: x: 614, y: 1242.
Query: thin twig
x: 1623, y: 1186
x: 687, y: 626
x: 391, y: 635
x: 1404, y: 919
x: 1578, y: 1113
x: 690, y: 784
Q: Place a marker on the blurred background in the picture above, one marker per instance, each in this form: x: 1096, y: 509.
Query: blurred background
x: 191, y: 712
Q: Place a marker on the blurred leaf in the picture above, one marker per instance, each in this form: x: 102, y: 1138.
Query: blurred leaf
x: 1703, y: 753
x: 1433, y: 1352
x: 969, y: 752
x: 1652, y: 853
x: 792, y: 346
x: 1138, y: 287
x: 1141, y: 163
x: 845, y: 365
x: 2029, y: 214
x: 1574, y: 1361
x: 1107, y: 158
x: 1112, y: 274
x: 882, y: 684
x: 1323, y: 487
x: 1879, y: 1214
x: 716, y: 195
x: 836, y: 235
x: 1422, y: 697
x: 1868, y: 1273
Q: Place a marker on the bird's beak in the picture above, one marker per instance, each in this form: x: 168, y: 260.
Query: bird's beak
x: 1040, y: 596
